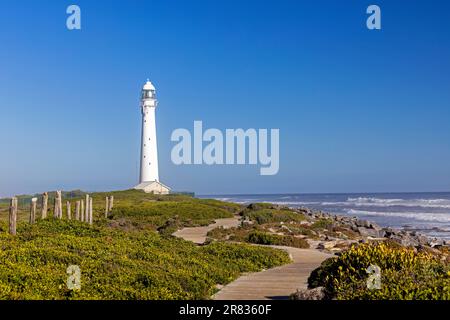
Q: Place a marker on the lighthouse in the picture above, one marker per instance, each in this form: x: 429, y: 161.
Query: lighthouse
x: 149, y: 173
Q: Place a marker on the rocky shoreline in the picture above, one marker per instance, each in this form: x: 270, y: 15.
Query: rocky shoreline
x: 368, y: 231
x: 324, y: 231
x: 416, y: 262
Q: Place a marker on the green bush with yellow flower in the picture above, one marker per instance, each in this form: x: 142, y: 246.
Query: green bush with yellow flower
x: 405, y: 274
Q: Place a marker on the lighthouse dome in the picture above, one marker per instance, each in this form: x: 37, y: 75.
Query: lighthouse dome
x: 148, y: 86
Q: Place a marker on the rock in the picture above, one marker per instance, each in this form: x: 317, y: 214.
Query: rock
x: 366, y: 232
x: 375, y: 226
x: 429, y: 250
x: 382, y: 234
x: 302, y: 211
x: 405, y: 240
x: 326, y: 245
x: 423, y: 240
x: 436, y: 243
x: 286, y: 228
x: 388, y: 232
x: 318, y: 293
x: 362, y: 223
x: 260, y: 206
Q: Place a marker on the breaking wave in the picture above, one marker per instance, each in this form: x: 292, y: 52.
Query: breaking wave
x: 377, y: 202
x: 424, y: 216
x: 374, y: 202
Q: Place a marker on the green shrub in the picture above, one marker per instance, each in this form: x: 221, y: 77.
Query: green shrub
x: 274, y: 239
x: 155, y: 214
x: 405, y: 274
x: 322, y: 224
x: 263, y: 216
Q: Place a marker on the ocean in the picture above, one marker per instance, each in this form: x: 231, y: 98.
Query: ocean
x: 427, y: 213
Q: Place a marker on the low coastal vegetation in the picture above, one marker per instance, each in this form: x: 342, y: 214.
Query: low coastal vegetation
x: 133, y: 255
x: 124, y: 257
x: 406, y: 274
x: 275, y: 239
x: 256, y: 235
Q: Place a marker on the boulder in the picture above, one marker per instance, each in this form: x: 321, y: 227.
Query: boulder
x: 362, y: 223
x: 374, y: 226
x: 405, y: 240
x: 318, y: 293
x: 423, y: 240
x: 326, y: 245
x: 436, y: 243
x: 367, y: 232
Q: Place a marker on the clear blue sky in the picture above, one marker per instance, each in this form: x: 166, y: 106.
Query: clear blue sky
x: 357, y: 110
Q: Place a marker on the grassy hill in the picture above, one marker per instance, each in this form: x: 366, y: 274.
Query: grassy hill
x: 130, y: 255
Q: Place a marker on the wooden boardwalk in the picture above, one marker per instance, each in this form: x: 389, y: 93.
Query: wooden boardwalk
x: 276, y: 283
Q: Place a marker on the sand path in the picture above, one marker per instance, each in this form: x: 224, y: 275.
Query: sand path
x: 198, y: 234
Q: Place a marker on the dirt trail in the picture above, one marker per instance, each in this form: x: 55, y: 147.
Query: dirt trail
x: 198, y: 234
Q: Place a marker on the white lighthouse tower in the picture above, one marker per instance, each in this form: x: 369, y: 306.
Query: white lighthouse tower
x: 149, y: 175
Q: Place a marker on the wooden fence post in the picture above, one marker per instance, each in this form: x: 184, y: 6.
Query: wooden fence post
x: 44, y: 207
x: 13, y: 216
x: 90, y: 211
x: 33, y: 210
x: 60, y: 205
x: 107, y: 207
x: 57, y: 213
x: 111, y: 203
x: 55, y: 207
x: 77, y: 210
x: 86, y: 213
x: 82, y: 211
x: 69, y: 213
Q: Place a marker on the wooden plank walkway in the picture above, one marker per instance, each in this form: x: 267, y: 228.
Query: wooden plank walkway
x: 276, y: 283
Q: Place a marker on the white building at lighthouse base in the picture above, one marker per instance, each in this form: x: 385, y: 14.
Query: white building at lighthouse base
x: 155, y: 187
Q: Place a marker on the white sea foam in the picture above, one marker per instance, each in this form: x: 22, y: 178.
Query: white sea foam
x: 423, y: 216
x: 293, y: 203
x: 223, y: 199
x: 239, y: 201
x: 356, y: 202
x: 374, y: 202
x: 377, y: 202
